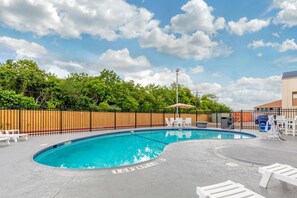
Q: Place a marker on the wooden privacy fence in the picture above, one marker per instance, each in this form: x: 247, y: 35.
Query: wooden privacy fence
x: 38, y: 122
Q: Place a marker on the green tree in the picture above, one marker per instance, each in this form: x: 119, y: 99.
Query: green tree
x: 10, y: 99
x: 24, y: 77
x: 25, y: 81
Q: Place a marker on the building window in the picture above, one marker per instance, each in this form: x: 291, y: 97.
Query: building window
x: 294, y: 99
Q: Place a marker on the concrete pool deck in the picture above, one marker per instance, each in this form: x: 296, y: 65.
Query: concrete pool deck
x: 180, y: 169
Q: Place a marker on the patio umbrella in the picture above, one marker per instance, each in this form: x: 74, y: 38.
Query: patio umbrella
x: 181, y: 105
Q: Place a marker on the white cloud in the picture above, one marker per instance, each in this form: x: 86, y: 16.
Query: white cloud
x: 287, y: 12
x: 207, y: 88
x: 68, y: 18
x: 261, y: 43
x: 285, y: 60
x: 165, y: 77
x: 198, y: 16
x: 118, y: 60
x: 121, y: 60
x: 190, y: 35
x: 288, y: 44
x: 256, y: 44
x: 59, y: 72
x: 140, y: 23
x: 275, y: 34
x: 244, y: 93
x: 250, y: 92
x: 70, y: 64
x: 111, y: 20
x: 22, y: 48
x: 244, y: 26
x: 196, y: 70
x: 259, y: 54
x: 216, y: 74
x: 198, y: 45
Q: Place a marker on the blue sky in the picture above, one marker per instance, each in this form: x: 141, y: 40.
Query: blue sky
x: 235, y: 49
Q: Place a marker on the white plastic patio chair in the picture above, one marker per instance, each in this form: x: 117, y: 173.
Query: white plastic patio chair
x: 281, y: 122
x: 15, y: 135
x: 178, y: 122
x: 278, y: 171
x: 172, y: 121
x: 291, y: 126
x: 5, y: 139
x: 228, y: 189
x: 169, y: 123
x: 188, y: 122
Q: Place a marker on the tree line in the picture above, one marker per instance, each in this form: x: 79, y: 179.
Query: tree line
x: 23, y: 84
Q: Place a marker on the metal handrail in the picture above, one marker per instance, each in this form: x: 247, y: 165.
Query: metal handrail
x: 234, y: 124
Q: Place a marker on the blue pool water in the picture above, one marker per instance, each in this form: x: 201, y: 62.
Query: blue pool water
x: 121, y: 149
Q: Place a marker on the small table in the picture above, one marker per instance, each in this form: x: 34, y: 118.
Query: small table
x: 201, y: 124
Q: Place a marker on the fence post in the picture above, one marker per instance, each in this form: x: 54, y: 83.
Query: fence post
x: 20, y: 122
x: 91, y: 124
x: 115, y: 119
x: 135, y: 117
x: 151, y: 116
x: 163, y: 118
x: 241, y: 119
x: 196, y: 116
x: 61, y: 120
x: 217, y: 120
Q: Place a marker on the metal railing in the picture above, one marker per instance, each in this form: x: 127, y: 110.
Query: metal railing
x: 58, y: 121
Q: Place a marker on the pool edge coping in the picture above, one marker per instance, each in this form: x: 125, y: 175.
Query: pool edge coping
x: 119, y: 131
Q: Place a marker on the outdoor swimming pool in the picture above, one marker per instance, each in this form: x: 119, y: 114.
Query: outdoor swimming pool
x: 120, y: 149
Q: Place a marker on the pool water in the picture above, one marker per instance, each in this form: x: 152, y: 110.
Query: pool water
x: 122, y: 149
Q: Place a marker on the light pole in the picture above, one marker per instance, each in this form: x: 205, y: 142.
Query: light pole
x: 196, y: 95
x: 177, y: 70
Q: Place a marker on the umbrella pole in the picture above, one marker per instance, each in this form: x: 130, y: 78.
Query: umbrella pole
x: 177, y: 70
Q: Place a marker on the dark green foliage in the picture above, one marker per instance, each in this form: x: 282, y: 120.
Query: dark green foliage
x: 23, y: 83
x: 9, y: 99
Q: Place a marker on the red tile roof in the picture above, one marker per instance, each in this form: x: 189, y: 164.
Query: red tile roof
x: 274, y: 104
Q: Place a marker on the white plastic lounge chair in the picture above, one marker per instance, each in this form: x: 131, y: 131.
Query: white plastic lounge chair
x: 5, y: 139
x: 227, y: 189
x: 169, y: 123
x: 15, y: 135
x: 281, y: 172
x: 4, y: 135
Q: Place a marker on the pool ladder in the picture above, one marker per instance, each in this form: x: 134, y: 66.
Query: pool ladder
x: 233, y: 125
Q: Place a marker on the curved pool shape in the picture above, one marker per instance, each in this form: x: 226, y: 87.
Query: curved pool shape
x: 120, y: 149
